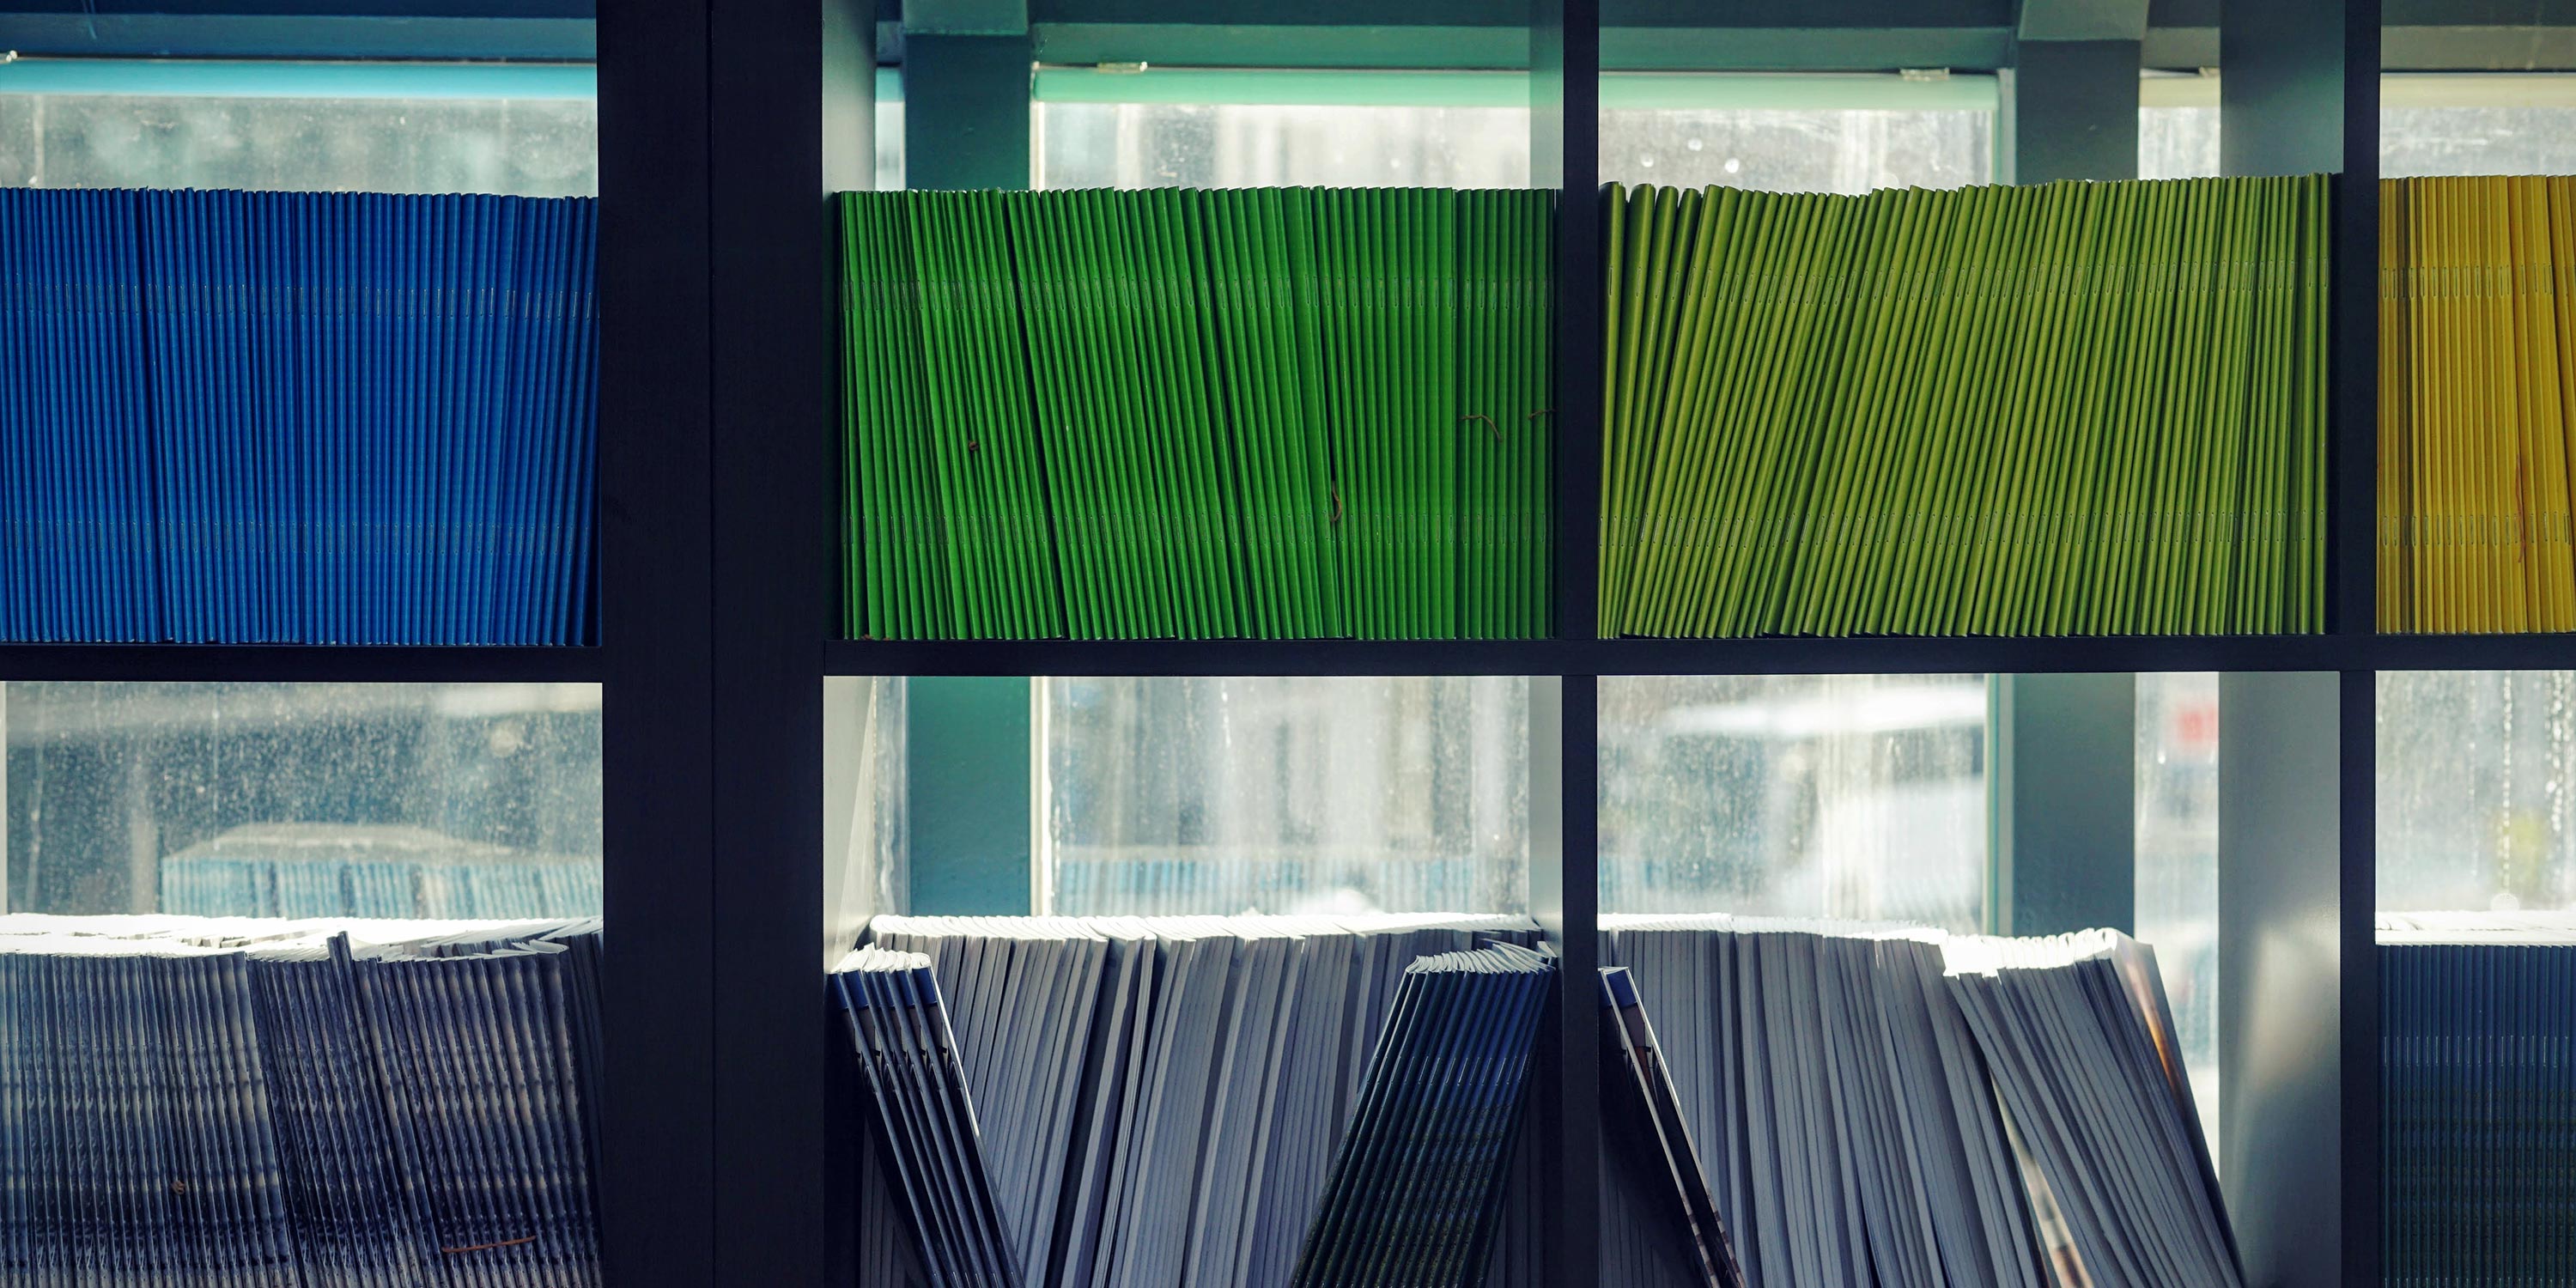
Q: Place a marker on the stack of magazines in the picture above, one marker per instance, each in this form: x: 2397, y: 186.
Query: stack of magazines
x: 1895, y: 1106
x: 908, y: 1054
x: 1417, y: 1188
x: 1652, y: 1182
x: 2479, y: 1035
x: 1158, y: 1101
x: 201, y: 1100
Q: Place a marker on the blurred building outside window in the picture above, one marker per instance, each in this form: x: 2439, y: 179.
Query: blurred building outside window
x: 517, y: 129
x: 1210, y: 128
x: 2429, y: 124
x: 303, y: 800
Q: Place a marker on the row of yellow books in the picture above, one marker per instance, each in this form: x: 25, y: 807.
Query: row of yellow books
x: 2477, y: 386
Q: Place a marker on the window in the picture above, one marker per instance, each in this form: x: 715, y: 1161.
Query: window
x: 1284, y: 795
x: 303, y: 800
x: 1202, y: 128
x: 2477, y: 790
x: 866, y: 835
x: 2177, y: 126
x: 889, y: 135
x: 1231, y: 129
x: 2462, y: 124
x: 1859, y: 797
x: 524, y: 130
x: 1846, y: 134
x: 2177, y: 858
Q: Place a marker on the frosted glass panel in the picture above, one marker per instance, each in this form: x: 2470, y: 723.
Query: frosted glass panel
x: 1802, y: 150
x: 2177, y: 142
x: 2477, y: 790
x: 2418, y: 141
x: 538, y: 147
x: 1201, y: 145
x: 2177, y: 883
x: 1858, y: 796
x: 2490, y: 125
x: 303, y: 800
x: 1285, y: 795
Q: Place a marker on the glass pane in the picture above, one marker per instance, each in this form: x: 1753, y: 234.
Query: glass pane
x: 2417, y: 141
x: 303, y: 800
x: 537, y: 147
x: 866, y: 822
x: 2428, y: 125
x: 2177, y: 142
x: 889, y: 142
x: 1198, y: 145
x: 2477, y: 790
x: 1774, y: 150
x: 1857, y: 796
x: 2177, y: 880
x: 1283, y: 795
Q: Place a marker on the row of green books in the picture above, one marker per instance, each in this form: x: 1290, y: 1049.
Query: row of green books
x: 2071, y: 409
x: 1264, y: 413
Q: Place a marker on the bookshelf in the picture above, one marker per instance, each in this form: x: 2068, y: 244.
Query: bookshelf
x: 2298, y: 780
x: 724, y: 1160
x: 2297, y: 784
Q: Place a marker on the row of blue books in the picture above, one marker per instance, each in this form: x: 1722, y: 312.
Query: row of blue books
x: 311, y: 418
x: 217, y: 1101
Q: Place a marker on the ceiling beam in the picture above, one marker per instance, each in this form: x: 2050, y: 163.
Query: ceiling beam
x: 966, y: 17
x: 2083, y: 20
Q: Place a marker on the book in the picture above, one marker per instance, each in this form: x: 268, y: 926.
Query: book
x: 1417, y: 1187
x: 1277, y: 413
x: 277, y: 1101
x: 2064, y: 409
x: 1160, y: 1100
x: 297, y: 418
x: 1889, y: 1104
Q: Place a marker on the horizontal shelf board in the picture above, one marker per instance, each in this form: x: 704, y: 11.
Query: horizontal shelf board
x: 1611, y: 657
x: 2474, y: 652
x: 1198, y: 657
x: 299, y: 662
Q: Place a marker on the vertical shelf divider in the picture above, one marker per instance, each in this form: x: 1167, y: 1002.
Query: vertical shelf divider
x: 766, y: 470
x: 2299, y: 93
x: 657, y: 1185
x: 1565, y: 883
x: 2353, y: 611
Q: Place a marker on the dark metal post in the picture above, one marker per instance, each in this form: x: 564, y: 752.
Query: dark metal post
x: 657, y: 1183
x: 766, y: 468
x: 1565, y: 883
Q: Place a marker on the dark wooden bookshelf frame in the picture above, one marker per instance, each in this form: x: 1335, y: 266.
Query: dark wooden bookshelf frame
x: 718, y: 582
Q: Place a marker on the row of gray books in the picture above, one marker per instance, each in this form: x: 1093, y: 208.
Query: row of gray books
x: 1887, y: 1107
x: 238, y: 1101
x: 1155, y: 1102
